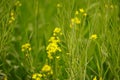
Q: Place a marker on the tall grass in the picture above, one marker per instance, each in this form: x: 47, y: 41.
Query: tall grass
x: 80, y: 57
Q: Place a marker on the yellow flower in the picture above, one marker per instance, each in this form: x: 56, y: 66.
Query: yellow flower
x: 77, y: 21
x: 29, y: 49
x: 46, y: 68
x: 51, y: 72
x: 95, y: 78
x: 5, y: 78
x: 54, y: 39
x: 40, y: 75
x: 12, y: 18
x: 26, y: 47
x: 10, y: 21
x: 22, y: 49
x: 58, y: 5
x: 72, y: 20
x: 18, y: 3
x: 12, y: 14
x: 81, y: 10
x: 36, y: 76
x: 50, y: 55
x: 76, y: 13
x: 85, y: 14
x: 57, y: 30
x: 100, y: 78
x: 94, y: 36
x: 57, y: 57
x: 53, y: 46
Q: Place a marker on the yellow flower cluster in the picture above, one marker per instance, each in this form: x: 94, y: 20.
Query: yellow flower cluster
x: 4, y: 77
x: 94, y: 36
x: 77, y: 12
x: 57, y: 31
x: 100, y: 78
x: 81, y: 11
x: 36, y: 76
x: 53, y: 46
x: 26, y: 47
x: 18, y: 3
x: 47, y: 69
x: 76, y: 20
x: 95, y: 78
x: 12, y: 17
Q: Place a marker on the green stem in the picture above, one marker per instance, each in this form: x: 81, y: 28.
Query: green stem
x: 86, y: 56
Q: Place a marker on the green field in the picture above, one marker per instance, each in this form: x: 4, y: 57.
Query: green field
x: 60, y: 40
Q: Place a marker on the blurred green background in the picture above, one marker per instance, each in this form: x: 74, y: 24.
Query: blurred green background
x: 34, y: 23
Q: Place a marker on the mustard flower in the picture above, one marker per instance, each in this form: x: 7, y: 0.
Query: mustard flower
x: 46, y: 68
x: 36, y: 76
x: 26, y: 47
x: 95, y: 78
x: 57, y: 57
x: 58, y: 5
x: 12, y: 18
x: 72, y: 22
x: 53, y: 46
x: 54, y: 39
x: 5, y: 78
x: 85, y: 14
x: 82, y: 10
x: 76, y: 13
x: 77, y: 21
x: 94, y: 36
x: 18, y: 3
x: 11, y: 14
x: 57, y: 30
x: 10, y: 21
x: 100, y: 78
x: 50, y: 55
